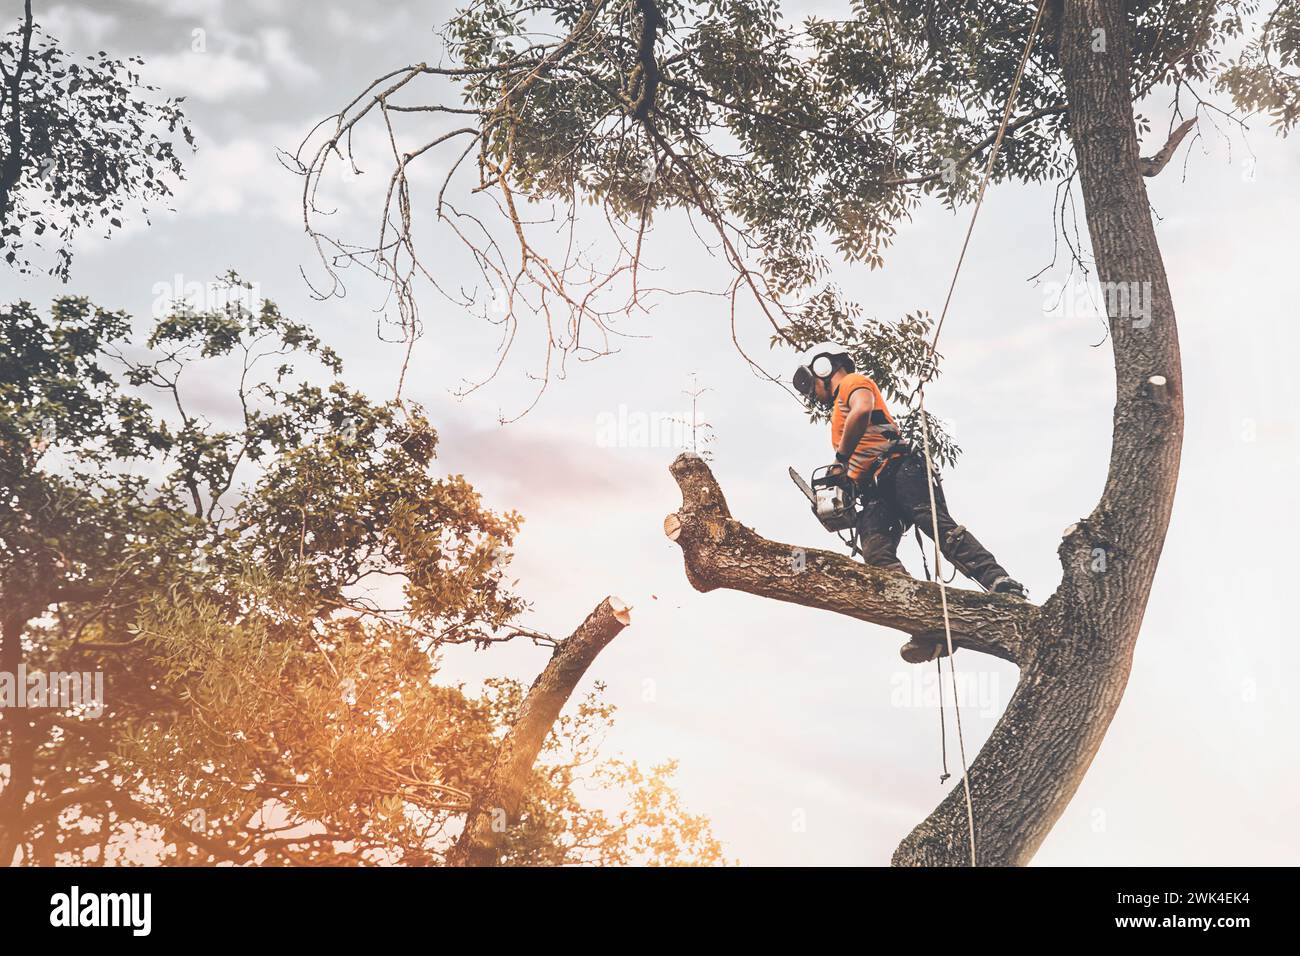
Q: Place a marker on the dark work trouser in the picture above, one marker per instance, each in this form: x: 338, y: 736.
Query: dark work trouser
x: 900, y: 499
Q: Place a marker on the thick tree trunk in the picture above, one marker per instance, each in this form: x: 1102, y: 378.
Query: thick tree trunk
x: 1075, y: 652
x: 1074, y: 675
x: 496, y: 808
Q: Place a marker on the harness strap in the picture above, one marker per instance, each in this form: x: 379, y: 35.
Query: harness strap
x: 879, y: 458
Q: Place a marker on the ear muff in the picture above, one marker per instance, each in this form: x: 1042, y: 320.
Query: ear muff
x: 820, y: 368
x: 823, y: 366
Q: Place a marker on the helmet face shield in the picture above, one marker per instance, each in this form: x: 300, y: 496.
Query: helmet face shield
x: 803, y: 381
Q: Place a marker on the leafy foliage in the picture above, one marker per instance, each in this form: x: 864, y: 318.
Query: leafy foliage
x: 778, y: 139
x: 1265, y: 78
x: 269, y: 579
x: 82, y: 139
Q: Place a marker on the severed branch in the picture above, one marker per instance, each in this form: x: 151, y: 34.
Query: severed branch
x: 497, y: 806
x: 720, y: 552
x: 1152, y: 165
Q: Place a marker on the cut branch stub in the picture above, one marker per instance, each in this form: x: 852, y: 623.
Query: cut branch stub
x: 722, y: 553
x: 1152, y: 165
x: 497, y: 805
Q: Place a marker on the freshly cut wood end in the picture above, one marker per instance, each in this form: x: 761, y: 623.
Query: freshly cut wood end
x: 622, y: 610
x: 672, y: 527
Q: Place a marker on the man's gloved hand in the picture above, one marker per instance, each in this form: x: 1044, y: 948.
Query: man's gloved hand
x: 836, y: 470
x: 838, y: 473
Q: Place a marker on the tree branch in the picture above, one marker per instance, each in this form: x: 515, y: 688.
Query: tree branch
x: 720, y: 552
x: 1151, y: 165
x: 498, y: 803
x: 644, y: 80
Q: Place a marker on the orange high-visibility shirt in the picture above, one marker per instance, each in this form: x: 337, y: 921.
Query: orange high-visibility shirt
x: 874, y: 440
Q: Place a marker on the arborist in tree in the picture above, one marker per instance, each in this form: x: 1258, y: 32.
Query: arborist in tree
x: 886, y: 474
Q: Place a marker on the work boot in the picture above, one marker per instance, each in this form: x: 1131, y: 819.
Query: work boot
x: 1010, y: 587
x: 922, y: 648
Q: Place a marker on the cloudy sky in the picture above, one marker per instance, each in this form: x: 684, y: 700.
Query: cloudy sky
x: 801, y: 734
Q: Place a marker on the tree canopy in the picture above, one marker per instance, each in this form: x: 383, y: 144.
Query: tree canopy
x: 82, y: 140
x: 269, y: 579
x: 781, y: 139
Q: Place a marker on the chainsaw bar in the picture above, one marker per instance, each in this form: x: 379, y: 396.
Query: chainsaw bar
x: 803, y: 486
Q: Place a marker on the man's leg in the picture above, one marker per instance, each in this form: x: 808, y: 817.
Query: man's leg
x: 879, y: 531
x: 912, y: 498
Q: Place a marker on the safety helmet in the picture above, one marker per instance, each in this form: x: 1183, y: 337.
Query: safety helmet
x: 820, y: 362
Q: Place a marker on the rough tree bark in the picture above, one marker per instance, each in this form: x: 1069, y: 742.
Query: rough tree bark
x: 1074, y: 653
x: 721, y: 552
x: 496, y: 806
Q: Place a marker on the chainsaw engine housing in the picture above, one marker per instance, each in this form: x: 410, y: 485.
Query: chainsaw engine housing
x: 833, y: 503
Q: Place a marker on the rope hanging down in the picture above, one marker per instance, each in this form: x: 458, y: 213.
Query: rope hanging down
x: 925, y: 429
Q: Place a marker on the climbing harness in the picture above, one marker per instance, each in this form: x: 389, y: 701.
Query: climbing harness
x: 925, y: 429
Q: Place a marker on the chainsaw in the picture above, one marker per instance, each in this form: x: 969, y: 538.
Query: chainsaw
x: 831, y: 497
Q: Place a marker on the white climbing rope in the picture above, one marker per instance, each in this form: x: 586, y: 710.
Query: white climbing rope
x: 925, y: 428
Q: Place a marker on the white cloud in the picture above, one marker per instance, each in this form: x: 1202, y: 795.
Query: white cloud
x: 217, y: 66
x: 80, y: 30
x: 370, y: 28
x: 212, y: 77
x: 241, y: 177
x: 206, y: 10
x: 276, y: 48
